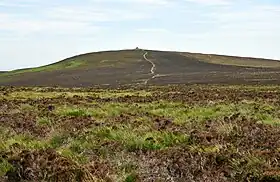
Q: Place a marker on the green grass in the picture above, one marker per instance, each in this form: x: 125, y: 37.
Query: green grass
x: 131, y: 178
x: 179, y: 113
x: 78, y: 157
x: 44, y: 121
x: 102, y: 94
x: 27, y: 108
x: 140, y: 140
x: 5, y: 166
x: 101, y: 112
x: 25, y: 141
x: 98, y: 59
x: 58, y: 66
x: 124, y: 140
x: 59, y: 140
x: 76, y: 112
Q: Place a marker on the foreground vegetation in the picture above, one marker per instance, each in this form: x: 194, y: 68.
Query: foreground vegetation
x: 176, y: 133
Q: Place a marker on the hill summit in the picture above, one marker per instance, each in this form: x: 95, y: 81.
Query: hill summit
x: 145, y: 67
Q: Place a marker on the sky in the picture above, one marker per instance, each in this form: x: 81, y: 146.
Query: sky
x: 37, y: 32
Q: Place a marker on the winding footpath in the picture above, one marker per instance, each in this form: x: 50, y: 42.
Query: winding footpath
x: 153, y: 64
x: 152, y: 71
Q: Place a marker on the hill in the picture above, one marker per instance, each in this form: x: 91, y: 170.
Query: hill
x: 144, y: 67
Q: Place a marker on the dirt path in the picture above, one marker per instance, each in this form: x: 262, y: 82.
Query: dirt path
x: 153, y: 64
x: 152, y: 71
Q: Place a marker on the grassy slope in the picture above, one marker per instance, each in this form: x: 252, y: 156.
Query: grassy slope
x: 181, y: 133
x: 96, y: 59
x: 78, y: 64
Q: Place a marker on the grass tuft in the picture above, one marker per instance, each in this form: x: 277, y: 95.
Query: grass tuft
x: 44, y: 121
x: 5, y: 166
x: 131, y: 178
x: 76, y: 113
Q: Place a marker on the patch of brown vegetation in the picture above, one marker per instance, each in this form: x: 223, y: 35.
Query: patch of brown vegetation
x: 23, y: 123
x: 75, y: 125
x: 45, y: 165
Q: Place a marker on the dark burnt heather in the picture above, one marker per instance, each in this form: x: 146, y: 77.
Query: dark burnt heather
x: 178, y: 68
x: 173, y: 133
x: 128, y: 67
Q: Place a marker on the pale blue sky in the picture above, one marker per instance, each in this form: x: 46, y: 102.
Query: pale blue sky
x: 37, y: 32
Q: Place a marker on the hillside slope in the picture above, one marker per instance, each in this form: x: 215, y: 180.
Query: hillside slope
x: 144, y: 67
